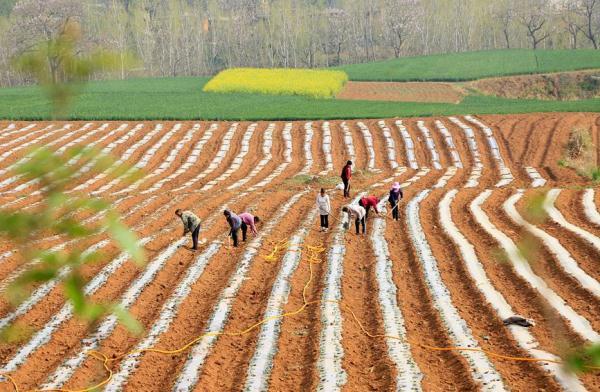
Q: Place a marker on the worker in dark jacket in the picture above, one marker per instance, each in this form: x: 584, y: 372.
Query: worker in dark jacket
x: 235, y: 223
x: 369, y: 202
x: 346, y: 176
x: 191, y: 224
x: 394, y: 199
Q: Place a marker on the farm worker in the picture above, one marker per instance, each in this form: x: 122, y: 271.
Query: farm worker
x: 395, y: 196
x: 191, y: 224
x: 368, y: 202
x: 248, y: 220
x: 358, y: 213
x: 346, y: 176
x: 235, y: 223
x: 324, y: 206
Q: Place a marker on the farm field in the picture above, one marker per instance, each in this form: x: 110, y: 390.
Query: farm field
x: 182, y: 99
x: 446, y: 274
x: 305, y: 82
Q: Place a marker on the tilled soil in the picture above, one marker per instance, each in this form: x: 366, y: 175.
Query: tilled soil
x: 366, y: 356
x: 402, y: 92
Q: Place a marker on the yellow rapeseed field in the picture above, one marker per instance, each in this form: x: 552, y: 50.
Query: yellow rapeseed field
x: 307, y: 82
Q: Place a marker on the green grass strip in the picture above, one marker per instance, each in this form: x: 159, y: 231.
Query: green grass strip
x: 474, y: 65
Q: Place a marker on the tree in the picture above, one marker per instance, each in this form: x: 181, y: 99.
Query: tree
x: 504, y: 13
x: 533, y: 16
x: 399, y: 16
x: 43, y: 20
x: 570, y: 20
x: 116, y: 32
x: 590, y: 14
x: 337, y: 34
x: 58, y: 66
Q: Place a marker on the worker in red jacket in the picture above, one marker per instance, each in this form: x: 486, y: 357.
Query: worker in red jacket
x: 346, y: 176
x: 368, y: 202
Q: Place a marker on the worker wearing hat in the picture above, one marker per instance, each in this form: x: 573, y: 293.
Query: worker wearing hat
x: 395, y: 196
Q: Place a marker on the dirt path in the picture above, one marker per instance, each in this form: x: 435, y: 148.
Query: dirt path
x: 419, y: 313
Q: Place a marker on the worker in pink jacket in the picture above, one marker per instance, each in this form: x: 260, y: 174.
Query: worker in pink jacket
x: 248, y: 220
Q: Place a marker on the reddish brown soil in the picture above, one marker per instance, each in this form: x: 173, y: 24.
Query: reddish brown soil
x: 524, y: 140
x: 402, y: 92
x: 562, y: 86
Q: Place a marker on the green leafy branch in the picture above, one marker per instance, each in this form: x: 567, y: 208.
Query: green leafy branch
x: 60, y: 214
x: 584, y: 359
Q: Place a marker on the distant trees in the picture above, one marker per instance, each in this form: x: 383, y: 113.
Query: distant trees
x: 199, y: 37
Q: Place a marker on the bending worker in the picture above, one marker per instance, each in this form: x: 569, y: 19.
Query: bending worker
x: 191, y: 224
x: 368, y: 202
x: 346, y: 176
x: 235, y: 223
x: 248, y: 220
x: 394, y: 198
x: 358, y: 213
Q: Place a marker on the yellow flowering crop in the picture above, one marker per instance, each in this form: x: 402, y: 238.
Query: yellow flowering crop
x: 280, y: 81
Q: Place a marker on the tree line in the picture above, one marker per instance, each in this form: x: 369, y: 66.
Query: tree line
x: 200, y: 37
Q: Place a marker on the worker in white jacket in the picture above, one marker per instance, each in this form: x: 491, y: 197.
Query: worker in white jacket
x: 358, y: 212
x: 324, y: 206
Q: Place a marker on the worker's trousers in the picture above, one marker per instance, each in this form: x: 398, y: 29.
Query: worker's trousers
x: 359, y: 222
x: 325, y: 221
x: 367, y: 209
x: 195, y: 234
x: 346, y: 187
x: 395, y: 212
x: 244, y: 231
x: 234, y: 233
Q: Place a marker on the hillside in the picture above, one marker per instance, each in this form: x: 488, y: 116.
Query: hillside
x: 474, y: 65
